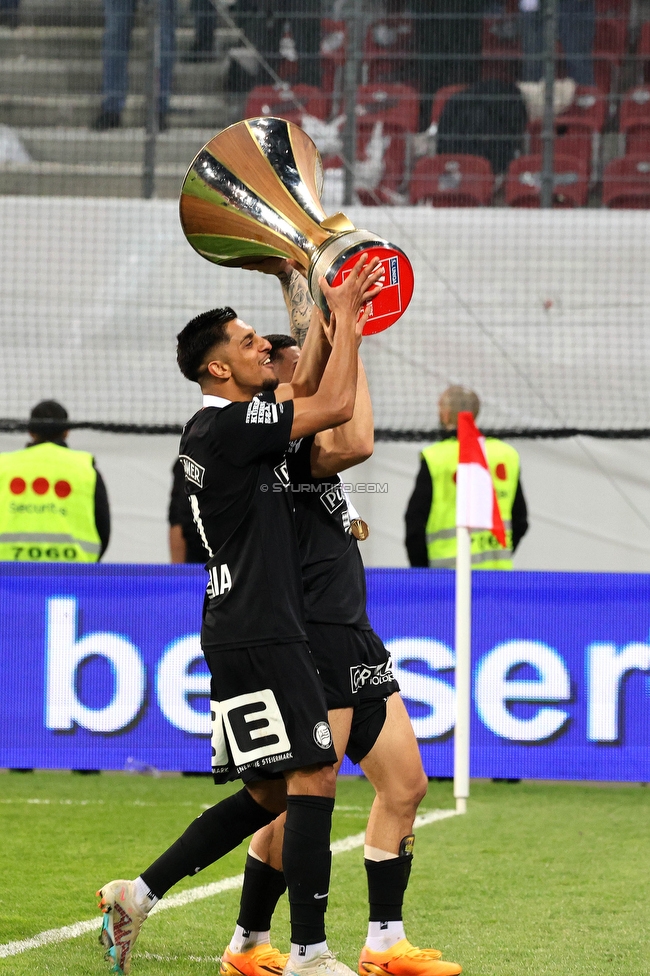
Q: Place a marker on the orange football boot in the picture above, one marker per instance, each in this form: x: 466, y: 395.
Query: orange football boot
x: 263, y: 960
x: 404, y: 959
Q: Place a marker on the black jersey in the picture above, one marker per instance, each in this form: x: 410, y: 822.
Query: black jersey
x: 237, y: 481
x: 334, y: 580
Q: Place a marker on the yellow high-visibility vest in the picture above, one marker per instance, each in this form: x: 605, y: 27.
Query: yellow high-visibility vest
x: 47, y: 505
x: 442, y: 462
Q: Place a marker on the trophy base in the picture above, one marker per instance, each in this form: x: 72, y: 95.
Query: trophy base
x: 335, y: 259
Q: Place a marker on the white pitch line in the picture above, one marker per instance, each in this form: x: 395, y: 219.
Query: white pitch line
x: 191, y: 895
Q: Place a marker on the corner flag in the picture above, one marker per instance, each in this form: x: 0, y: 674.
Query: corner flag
x: 476, y: 500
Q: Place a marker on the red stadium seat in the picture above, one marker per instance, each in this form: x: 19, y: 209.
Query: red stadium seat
x: 626, y: 183
x: 396, y: 107
x: 610, y: 44
x: 578, y: 127
x: 635, y: 120
x: 388, y: 49
x: 452, y: 181
x: 571, y: 184
x: 289, y: 103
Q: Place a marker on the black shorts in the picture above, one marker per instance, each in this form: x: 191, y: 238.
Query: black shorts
x: 353, y: 664
x: 356, y: 672
x: 268, y: 711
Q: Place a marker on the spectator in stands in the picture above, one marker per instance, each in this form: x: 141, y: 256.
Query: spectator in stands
x: 53, y: 501
x: 431, y: 512
x: 287, y: 35
x: 9, y: 13
x: 185, y: 545
x: 118, y: 28
x: 448, y: 47
x: 576, y: 28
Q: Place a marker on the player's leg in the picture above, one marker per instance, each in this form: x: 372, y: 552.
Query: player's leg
x: 394, y: 767
x: 249, y: 952
x: 126, y: 904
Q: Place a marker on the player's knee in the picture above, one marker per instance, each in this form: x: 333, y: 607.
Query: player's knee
x: 270, y: 794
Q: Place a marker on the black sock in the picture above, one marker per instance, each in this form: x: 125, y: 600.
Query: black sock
x: 262, y: 889
x: 217, y: 831
x: 387, y: 882
x: 307, y: 862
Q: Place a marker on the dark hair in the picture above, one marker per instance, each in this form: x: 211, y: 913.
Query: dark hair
x: 278, y: 342
x: 48, y: 412
x: 200, y: 336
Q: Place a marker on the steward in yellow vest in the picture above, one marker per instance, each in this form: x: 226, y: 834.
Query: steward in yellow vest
x: 53, y: 504
x: 431, y: 512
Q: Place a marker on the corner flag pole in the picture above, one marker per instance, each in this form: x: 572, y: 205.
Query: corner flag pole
x: 463, y: 665
x: 476, y: 508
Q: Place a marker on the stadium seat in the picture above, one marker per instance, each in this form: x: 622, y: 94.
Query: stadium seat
x: 610, y: 44
x: 383, y: 148
x: 635, y: 120
x: 626, y: 183
x: 578, y: 128
x: 501, y: 45
x: 388, y: 49
x: 452, y: 181
x: 571, y: 183
x: 332, y: 61
x: 287, y: 102
x: 395, y: 105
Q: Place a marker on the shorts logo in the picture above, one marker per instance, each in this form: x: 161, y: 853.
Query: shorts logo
x: 193, y: 471
x: 323, y: 735
x: 251, y: 725
x: 368, y: 674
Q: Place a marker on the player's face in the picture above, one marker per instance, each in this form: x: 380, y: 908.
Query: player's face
x: 248, y: 356
x: 285, y: 362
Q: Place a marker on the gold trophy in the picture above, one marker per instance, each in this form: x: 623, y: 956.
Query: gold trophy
x: 254, y: 192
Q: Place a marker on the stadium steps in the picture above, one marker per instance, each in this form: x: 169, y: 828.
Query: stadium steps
x: 50, y: 85
x: 72, y: 146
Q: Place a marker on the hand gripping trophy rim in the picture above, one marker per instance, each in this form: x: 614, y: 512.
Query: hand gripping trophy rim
x: 253, y: 191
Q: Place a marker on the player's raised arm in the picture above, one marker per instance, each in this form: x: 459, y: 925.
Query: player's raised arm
x: 333, y: 403
x: 342, y: 447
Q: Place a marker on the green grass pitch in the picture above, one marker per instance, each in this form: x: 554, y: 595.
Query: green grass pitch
x: 536, y: 879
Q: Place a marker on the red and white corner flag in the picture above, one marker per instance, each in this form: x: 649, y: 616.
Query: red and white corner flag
x: 476, y: 500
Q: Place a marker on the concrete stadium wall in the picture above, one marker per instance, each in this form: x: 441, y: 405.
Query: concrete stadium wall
x: 589, y: 501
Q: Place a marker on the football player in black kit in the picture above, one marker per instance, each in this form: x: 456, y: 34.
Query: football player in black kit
x: 270, y: 731
x: 367, y: 716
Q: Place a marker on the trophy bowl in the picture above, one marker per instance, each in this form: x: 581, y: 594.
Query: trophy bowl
x: 254, y: 192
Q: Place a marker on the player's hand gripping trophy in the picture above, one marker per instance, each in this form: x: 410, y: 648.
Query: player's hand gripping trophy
x: 253, y: 192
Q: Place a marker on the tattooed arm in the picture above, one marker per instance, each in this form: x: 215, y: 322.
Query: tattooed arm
x: 299, y: 303
x: 304, y: 323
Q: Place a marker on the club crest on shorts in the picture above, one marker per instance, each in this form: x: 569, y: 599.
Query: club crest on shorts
x: 322, y: 735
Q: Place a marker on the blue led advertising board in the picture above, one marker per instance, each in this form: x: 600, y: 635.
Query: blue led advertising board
x: 100, y: 664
